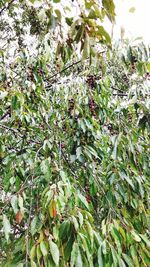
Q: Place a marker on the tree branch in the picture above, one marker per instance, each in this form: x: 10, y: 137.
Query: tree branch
x: 68, y: 67
x: 29, y: 221
x: 5, y: 115
x: 60, y: 72
x: 15, y: 131
x: 6, y: 6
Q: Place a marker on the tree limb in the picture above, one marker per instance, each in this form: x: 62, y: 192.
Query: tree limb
x: 5, y: 115
x: 60, y: 72
x: 15, y: 131
x: 6, y: 6
x: 68, y: 67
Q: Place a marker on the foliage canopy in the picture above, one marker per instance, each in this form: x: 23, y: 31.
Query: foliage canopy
x: 74, y: 138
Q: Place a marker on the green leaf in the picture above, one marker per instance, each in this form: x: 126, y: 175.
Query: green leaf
x: 83, y: 200
x: 80, y: 218
x: 114, y: 255
x: 88, y: 215
x: 54, y: 252
x: 78, y: 152
x: 90, y: 232
x: 75, y: 222
x: 14, y: 203
x: 33, y: 264
x: 38, y: 253
x: 6, y: 226
x: 101, y: 31
x: 45, y: 166
x: 20, y: 265
x: 104, y: 247
x: 134, y: 255
x: 65, y: 229
x: 92, y: 15
x: 56, y: 232
x: 69, y: 21
x: 86, y: 47
x: 128, y: 179
x: 148, y: 66
x: 74, y: 254
x: 116, y: 143
x: 58, y: 13
x: 110, y: 8
x: 63, y: 176
x: 128, y: 260
x: 89, y: 3
x: 117, y: 238
x: 79, y: 34
x: 121, y: 263
x: 146, y: 240
x: 135, y: 236
x: 3, y: 94
x: 72, y: 158
x: 68, y: 248
x: 43, y: 248
x: 20, y: 203
x: 100, y: 259
x: 34, y: 225
x: 79, y: 260
x: 14, y: 102
x: 85, y: 247
x: 91, y: 151
x: 132, y: 9
x: 33, y: 252
x: 48, y: 196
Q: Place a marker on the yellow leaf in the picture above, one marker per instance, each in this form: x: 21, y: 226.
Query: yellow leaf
x: 33, y: 252
x: 52, y: 209
x: 132, y: 9
x: 41, y: 237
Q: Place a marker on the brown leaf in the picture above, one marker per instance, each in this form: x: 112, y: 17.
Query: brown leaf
x: 19, y: 217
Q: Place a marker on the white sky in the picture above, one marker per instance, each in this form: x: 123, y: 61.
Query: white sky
x: 135, y: 24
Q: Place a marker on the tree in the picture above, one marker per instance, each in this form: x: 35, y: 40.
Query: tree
x: 74, y: 123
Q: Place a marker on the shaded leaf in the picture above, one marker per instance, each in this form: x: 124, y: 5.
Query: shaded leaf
x: 6, y: 226
x: 54, y: 252
x: 43, y: 248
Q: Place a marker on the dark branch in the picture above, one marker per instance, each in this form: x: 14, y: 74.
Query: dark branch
x: 68, y: 67
x: 116, y: 89
x: 5, y: 115
x: 6, y: 6
x: 15, y: 131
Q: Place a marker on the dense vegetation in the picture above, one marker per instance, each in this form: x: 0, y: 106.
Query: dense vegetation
x: 74, y: 138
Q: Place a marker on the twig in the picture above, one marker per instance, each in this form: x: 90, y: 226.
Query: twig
x: 60, y: 72
x: 6, y: 6
x: 29, y: 220
x: 116, y: 89
x: 125, y: 93
x: 17, y: 193
x: 68, y: 67
x: 119, y: 94
x: 5, y: 115
x: 15, y: 131
x: 37, y: 153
